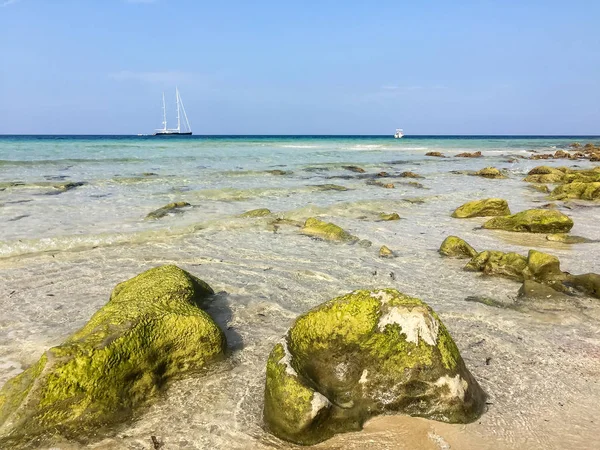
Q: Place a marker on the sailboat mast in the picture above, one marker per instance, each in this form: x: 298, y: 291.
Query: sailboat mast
x: 164, y: 114
x: 178, y: 119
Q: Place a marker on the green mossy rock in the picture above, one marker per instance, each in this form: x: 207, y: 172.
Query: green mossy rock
x: 151, y: 330
x: 532, y: 221
x: 482, y: 208
x: 583, y: 191
x: 582, y: 176
x: 326, y: 230
x: 261, y: 212
x: 490, y: 172
x: 455, y: 247
x: 169, y: 208
x: 568, y: 239
x: 588, y: 283
x: 387, y: 217
x: 364, y: 354
x: 385, y: 252
x: 544, y: 174
x: 537, y: 266
x: 331, y: 187
x: 491, y: 262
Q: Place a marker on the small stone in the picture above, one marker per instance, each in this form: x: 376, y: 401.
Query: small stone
x: 437, y: 154
x: 385, y: 252
x: 386, y: 217
x: 261, y: 212
x: 455, y: 247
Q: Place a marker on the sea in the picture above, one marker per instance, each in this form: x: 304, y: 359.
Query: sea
x: 73, y: 224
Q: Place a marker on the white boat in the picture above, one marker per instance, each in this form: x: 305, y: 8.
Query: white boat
x: 164, y: 131
x: 399, y: 133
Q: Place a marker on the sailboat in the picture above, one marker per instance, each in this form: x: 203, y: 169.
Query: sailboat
x: 164, y: 131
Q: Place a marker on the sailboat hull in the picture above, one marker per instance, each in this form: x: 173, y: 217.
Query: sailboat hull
x: 169, y: 133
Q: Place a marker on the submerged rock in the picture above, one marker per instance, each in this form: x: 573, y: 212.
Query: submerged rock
x: 354, y: 169
x: 331, y: 187
x: 409, y: 174
x: 438, y: 154
x: 532, y: 221
x: 583, y: 191
x: 385, y: 252
x: 540, y: 188
x: 469, y: 155
x: 326, y: 230
x: 261, y: 212
x: 537, y: 266
x: 455, y: 247
x: 279, y: 172
x: 568, y: 239
x: 169, y: 208
x: 364, y: 354
x: 588, y: 283
x: 492, y: 262
x: 387, y: 217
x: 532, y: 290
x: 151, y: 330
x: 483, y: 208
x: 380, y: 184
x: 490, y: 172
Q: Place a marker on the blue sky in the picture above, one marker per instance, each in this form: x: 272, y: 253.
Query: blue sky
x: 304, y: 67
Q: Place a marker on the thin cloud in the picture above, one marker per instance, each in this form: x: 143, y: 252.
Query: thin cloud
x: 8, y: 3
x: 151, y: 77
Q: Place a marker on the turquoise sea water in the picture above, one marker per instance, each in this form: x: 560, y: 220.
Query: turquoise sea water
x: 63, y: 247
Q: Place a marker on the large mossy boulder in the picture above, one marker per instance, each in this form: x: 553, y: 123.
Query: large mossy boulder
x: 360, y: 355
x: 580, y: 190
x: 482, y: 208
x: 327, y: 231
x: 532, y: 221
x: 455, y: 247
x: 151, y: 330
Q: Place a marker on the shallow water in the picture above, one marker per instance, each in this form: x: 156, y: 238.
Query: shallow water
x: 61, y: 253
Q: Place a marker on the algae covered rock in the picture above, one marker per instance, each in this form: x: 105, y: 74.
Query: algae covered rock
x: 437, y: 154
x: 354, y: 169
x: 544, y: 174
x: 483, y: 208
x: 387, y: 217
x: 409, y: 174
x: 326, y: 230
x: 168, y: 208
x: 469, y: 155
x: 360, y: 355
x: 385, y: 252
x: 588, y: 283
x: 151, y: 330
x: 537, y: 266
x: 568, y: 239
x: 455, y: 247
x: 492, y: 262
x: 261, y: 212
x: 490, y: 172
x: 532, y: 221
x: 580, y: 190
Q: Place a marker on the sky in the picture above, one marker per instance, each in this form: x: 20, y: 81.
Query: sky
x: 301, y: 67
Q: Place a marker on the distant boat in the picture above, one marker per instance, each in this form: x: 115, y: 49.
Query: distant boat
x: 164, y: 131
x: 399, y: 133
